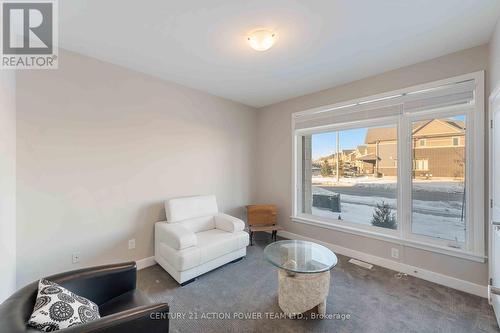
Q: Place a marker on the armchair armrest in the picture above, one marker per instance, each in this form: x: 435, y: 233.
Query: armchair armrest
x: 149, y: 318
x: 228, y: 223
x: 175, y: 235
x: 100, y: 283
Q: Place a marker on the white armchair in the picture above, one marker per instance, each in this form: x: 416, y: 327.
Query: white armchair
x: 196, y: 238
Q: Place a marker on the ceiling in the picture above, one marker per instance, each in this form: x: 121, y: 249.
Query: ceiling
x: 322, y: 43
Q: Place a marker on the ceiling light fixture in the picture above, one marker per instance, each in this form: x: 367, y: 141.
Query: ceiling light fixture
x: 262, y: 40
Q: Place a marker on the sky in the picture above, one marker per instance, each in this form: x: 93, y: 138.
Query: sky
x: 324, y: 144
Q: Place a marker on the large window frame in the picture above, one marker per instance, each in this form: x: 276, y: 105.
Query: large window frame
x: 341, y: 127
x: 448, y: 112
x: 474, y: 247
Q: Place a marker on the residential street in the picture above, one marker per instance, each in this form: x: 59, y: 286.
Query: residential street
x: 420, y: 194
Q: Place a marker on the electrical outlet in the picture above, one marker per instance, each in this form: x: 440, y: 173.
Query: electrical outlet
x: 131, y: 244
x: 76, y: 257
x: 395, y: 253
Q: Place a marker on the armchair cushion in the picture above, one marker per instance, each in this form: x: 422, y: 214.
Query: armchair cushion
x: 127, y: 301
x: 57, y: 308
x: 212, y: 244
x: 175, y: 235
x: 180, y: 209
x: 228, y: 223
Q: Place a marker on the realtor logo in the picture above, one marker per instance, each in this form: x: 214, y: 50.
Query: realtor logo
x: 29, y: 34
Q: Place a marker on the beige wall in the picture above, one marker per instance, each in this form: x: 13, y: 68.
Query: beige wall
x: 275, y: 148
x: 7, y: 183
x: 99, y: 148
x: 495, y: 58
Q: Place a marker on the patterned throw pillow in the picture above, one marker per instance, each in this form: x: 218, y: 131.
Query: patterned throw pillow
x: 57, y: 308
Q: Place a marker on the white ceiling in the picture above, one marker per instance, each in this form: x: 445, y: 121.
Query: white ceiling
x: 322, y: 43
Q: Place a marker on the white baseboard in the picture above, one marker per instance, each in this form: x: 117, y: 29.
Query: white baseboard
x: 448, y: 281
x: 146, y: 262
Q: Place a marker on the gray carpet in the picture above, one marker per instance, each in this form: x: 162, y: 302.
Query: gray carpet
x: 375, y: 300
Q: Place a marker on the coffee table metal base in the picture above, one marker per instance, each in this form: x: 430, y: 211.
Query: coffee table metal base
x: 299, y: 293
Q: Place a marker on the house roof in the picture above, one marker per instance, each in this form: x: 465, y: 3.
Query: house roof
x: 367, y: 157
x: 456, y: 125
x: 460, y: 124
x: 390, y: 133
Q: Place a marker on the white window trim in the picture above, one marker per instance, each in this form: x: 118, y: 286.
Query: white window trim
x: 475, y: 243
x: 326, y: 224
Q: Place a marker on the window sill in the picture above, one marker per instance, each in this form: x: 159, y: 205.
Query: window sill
x: 392, y: 239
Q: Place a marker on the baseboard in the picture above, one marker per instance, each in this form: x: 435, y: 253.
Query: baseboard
x: 448, y: 281
x: 146, y: 262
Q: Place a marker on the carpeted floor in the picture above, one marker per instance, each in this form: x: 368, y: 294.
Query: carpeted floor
x: 373, y: 300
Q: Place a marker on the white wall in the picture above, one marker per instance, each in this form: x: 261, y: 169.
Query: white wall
x: 275, y: 149
x: 100, y: 147
x: 7, y: 183
x: 495, y: 58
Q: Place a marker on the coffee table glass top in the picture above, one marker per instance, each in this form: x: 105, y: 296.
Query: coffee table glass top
x: 300, y: 256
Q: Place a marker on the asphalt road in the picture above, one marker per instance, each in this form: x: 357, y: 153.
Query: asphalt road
x: 430, y: 195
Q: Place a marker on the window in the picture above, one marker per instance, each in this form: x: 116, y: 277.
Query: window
x: 421, y: 165
x: 384, y: 167
x: 438, y: 192
x: 350, y: 176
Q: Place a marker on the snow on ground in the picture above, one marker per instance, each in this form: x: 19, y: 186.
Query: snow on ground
x: 439, y: 185
x: 431, y: 218
x: 447, y: 208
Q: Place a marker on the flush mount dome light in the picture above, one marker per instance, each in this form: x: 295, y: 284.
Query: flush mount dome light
x: 261, y: 40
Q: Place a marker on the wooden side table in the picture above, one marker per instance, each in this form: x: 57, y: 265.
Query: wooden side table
x: 262, y: 218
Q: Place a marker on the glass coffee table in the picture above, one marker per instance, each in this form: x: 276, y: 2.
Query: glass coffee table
x: 304, y: 274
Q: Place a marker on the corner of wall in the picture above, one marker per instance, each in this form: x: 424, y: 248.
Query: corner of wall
x: 8, y: 181
x: 494, y: 59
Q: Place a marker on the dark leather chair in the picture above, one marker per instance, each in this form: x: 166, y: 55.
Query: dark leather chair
x: 112, y: 287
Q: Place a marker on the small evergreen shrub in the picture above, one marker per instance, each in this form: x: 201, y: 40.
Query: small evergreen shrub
x: 384, y: 217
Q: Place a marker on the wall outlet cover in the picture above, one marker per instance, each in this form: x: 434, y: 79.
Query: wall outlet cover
x: 75, y: 257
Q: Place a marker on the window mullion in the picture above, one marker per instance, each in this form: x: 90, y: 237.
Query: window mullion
x: 404, y: 170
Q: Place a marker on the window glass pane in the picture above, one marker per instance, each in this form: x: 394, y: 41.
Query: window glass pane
x: 438, y: 178
x: 351, y: 175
